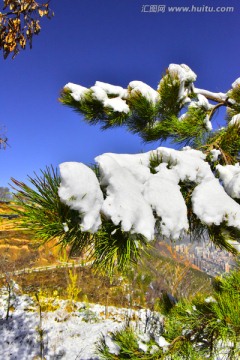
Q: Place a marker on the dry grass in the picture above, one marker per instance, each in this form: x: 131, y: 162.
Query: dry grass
x: 18, y: 249
x: 5, y: 209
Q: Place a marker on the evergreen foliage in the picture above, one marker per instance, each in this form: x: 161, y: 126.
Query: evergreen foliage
x: 227, y: 141
x: 93, y: 110
x: 42, y: 212
x: 127, y: 342
x: 234, y: 95
x: 162, y: 119
x: 198, y: 328
x: 176, y: 110
x: 210, y: 326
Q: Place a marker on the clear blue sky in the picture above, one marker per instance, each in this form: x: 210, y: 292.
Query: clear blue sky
x: 111, y: 41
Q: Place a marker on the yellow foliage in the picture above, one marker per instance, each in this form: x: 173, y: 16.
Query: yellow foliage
x: 48, y: 303
x: 72, y: 289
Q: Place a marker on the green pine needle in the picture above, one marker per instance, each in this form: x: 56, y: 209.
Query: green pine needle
x: 114, y: 248
x: 42, y: 212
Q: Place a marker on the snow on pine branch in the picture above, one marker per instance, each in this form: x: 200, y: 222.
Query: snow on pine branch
x: 230, y: 176
x: 116, y: 97
x: 139, y: 106
x: 77, y: 91
x: 80, y: 190
x: 109, y: 95
x: 142, y: 199
x: 235, y: 120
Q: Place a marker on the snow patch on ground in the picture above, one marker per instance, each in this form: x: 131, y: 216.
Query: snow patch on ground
x: 66, y: 335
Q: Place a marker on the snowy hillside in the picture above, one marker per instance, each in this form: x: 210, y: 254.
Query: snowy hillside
x: 69, y: 332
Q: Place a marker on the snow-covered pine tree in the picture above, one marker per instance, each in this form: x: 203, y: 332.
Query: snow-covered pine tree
x: 126, y: 200
x: 194, y: 329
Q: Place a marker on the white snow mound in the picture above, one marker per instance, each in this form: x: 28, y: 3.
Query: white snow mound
x: 80, y: 190
x: 138, y: 197
x: 230, y: 176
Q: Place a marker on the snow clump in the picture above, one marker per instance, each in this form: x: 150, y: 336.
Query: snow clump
x: 230, y: 176
x: 100, y: 92
x: 186, y: 77
x: 145, y: 90
x: 77, y: 91
x: 236, y: 83
x: 235, y: 120
x: 215, y: 154
x: 183, y: 72
x: 80, y: 190
x: 137, y: 196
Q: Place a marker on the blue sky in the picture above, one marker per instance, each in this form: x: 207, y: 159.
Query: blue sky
x: 111, y: 41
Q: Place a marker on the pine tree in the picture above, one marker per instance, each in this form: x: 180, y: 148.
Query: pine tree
x: 198, y: 328
x: 114, y: 209
x: 209, y: 327
x: 176, y: 110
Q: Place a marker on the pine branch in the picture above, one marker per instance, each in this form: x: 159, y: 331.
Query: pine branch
x: 227, y: 140
x: 42, y: 213
x: 93, y: 110
x: 159, y: 119
x: 217, y: 97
